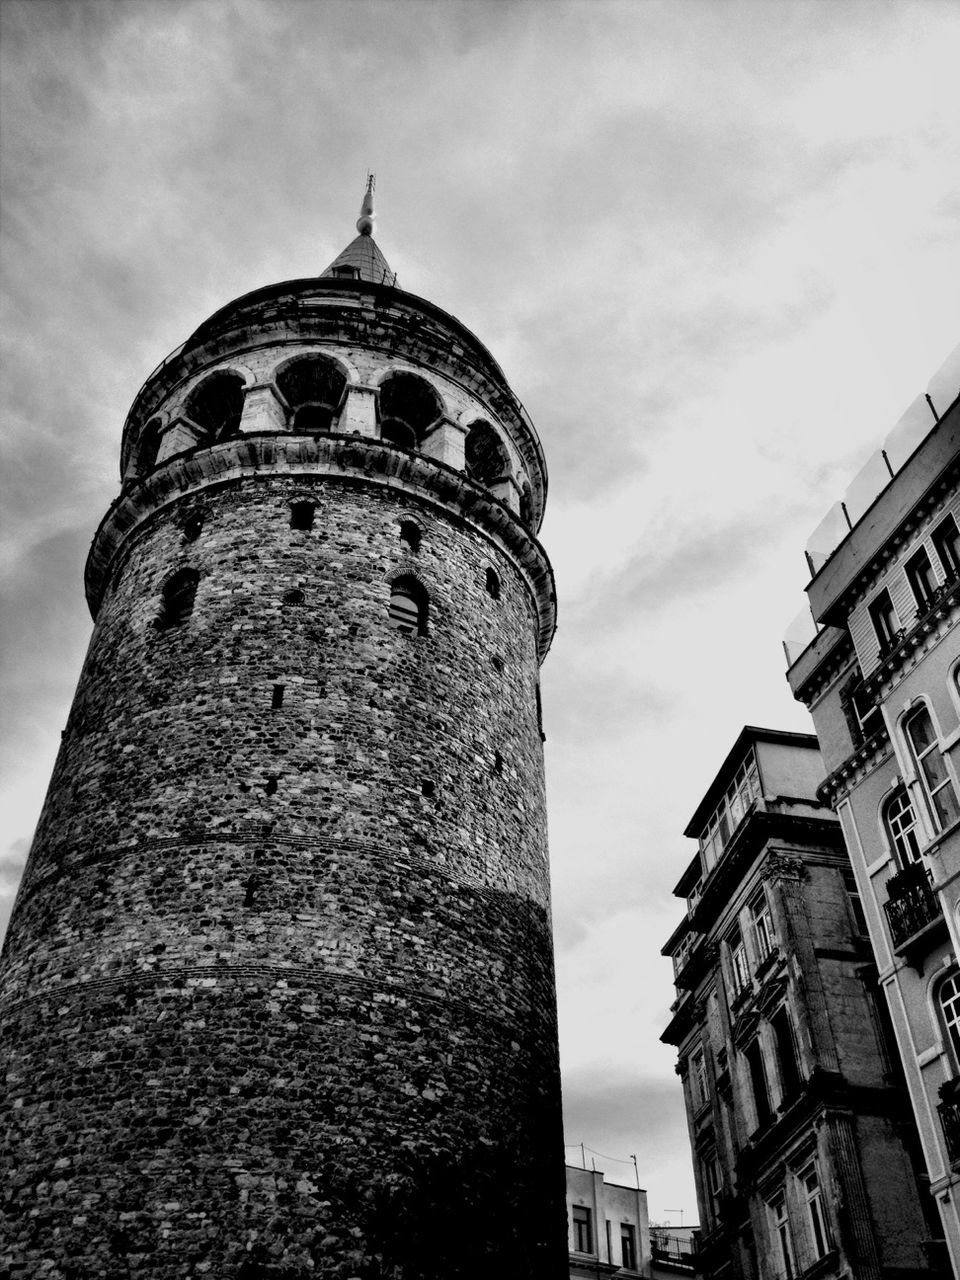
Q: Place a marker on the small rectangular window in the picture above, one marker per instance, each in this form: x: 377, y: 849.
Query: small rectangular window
x: 762, y: 925
x: 739, y: 972
x: 920, y: 575
x: 582, y: 1231
x: 698, y: 1078
x: 810, y: 1182
x: 786, y: 1053
x: 758, y: 1079
x: 301, y: 515
x: 946, y: 543
x: 856, y: 903
x: 885, y: 621
x: 783, y: 1244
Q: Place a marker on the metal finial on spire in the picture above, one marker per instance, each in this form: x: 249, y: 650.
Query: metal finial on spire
x: 367, y: 216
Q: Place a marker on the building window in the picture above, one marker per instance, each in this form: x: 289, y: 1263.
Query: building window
x: 758, y: 1080
x: 932, y: 769
x: 856, y: 904
x: 493, y: 584
x: 762, y: 925
x: 946, y: 543
x: 628, y: 1246
x: 786, y: 1053
x: 901, y: 824
x: 582, y: 1231
x: 485, y: 458
x: 698, y: 1078
x: 301, y: 515
x: 408, y: 606
x: 920, y: 575
x: 216, y: 406
x: 948, y: 998
x: 740, y: 794
x: 177, y: 597
x: 408, y: 407
x: 410, y: 534
x: 885, y: 621
x: 810, y: 1182
x: 312, y: 387
x: 739, y: 972
x: 713, y: 1181
x: 783, y: 1244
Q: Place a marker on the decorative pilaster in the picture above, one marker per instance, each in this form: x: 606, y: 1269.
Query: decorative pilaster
x: 445, y: 443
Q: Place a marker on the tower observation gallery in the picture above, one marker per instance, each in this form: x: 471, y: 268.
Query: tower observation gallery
x: 277, y: 993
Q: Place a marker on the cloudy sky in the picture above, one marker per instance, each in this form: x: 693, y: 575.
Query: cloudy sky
x: 714, y: 246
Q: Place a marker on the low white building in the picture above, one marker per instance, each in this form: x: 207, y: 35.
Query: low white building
x: 608, y: 1228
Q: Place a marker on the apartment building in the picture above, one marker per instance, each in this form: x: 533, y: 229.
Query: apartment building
x: 803, y: 1163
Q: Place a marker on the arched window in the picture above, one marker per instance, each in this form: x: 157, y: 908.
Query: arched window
x: 177, y: 597
x: 216, y: 406
x: 932, y: 769
x: 301, y: 515
x: 149, y: 446
x: 313, y: 388
x: 408, y: 606
x: 484, y: 455
x: 948, y: 1001
x: 493, y: 583
x: 901, y: 824
x: 408, y: 405
x: 410, y: 534
x: 526, y: 504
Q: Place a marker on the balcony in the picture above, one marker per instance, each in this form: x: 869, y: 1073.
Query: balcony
x: 913, y: 912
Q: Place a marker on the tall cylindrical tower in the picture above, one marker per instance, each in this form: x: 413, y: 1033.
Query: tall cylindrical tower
x: 278, y: 992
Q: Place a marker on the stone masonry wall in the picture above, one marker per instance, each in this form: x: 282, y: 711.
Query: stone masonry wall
x: 279, y: 979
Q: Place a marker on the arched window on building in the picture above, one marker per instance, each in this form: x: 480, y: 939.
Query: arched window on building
x: 408, y: 606
x: 408, y: 406
x: 485, y: 457
x: 948, y: 1003
x: 526, y: 504
x: 900, y: 822
x: 148, y: 446
x: 313, y: 388
x: 410, y: 534
x: 216, y: 406
x: 492, y: 582
x: 177, y: 597
x: 932, y: 769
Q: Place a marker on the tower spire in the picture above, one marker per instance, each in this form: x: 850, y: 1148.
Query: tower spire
x: 367, y: 216
x: 362, y: 259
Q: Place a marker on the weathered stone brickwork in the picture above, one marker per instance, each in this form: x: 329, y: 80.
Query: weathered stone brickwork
x: 278, y: 993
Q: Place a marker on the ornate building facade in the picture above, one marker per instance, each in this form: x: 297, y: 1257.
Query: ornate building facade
x: 803, y: 1164
x: 277, y: 993
x: 882, y: 682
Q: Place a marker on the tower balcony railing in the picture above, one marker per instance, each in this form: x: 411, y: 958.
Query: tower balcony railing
x: 912, y: 905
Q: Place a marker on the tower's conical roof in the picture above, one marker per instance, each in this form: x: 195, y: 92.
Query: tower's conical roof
x: 361, y: 259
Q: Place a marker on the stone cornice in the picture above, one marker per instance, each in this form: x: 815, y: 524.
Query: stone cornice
x: 330, y: 458
x: 868, y: 756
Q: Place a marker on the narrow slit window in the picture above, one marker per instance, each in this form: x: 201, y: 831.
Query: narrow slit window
x: 301, y: 515
x: 276, y: 700
x: 493, y: 584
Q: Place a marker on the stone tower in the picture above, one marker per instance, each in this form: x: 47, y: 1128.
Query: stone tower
x: 278, y: 993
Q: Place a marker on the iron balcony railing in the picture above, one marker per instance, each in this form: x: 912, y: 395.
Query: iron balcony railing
x: 912, y: 903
